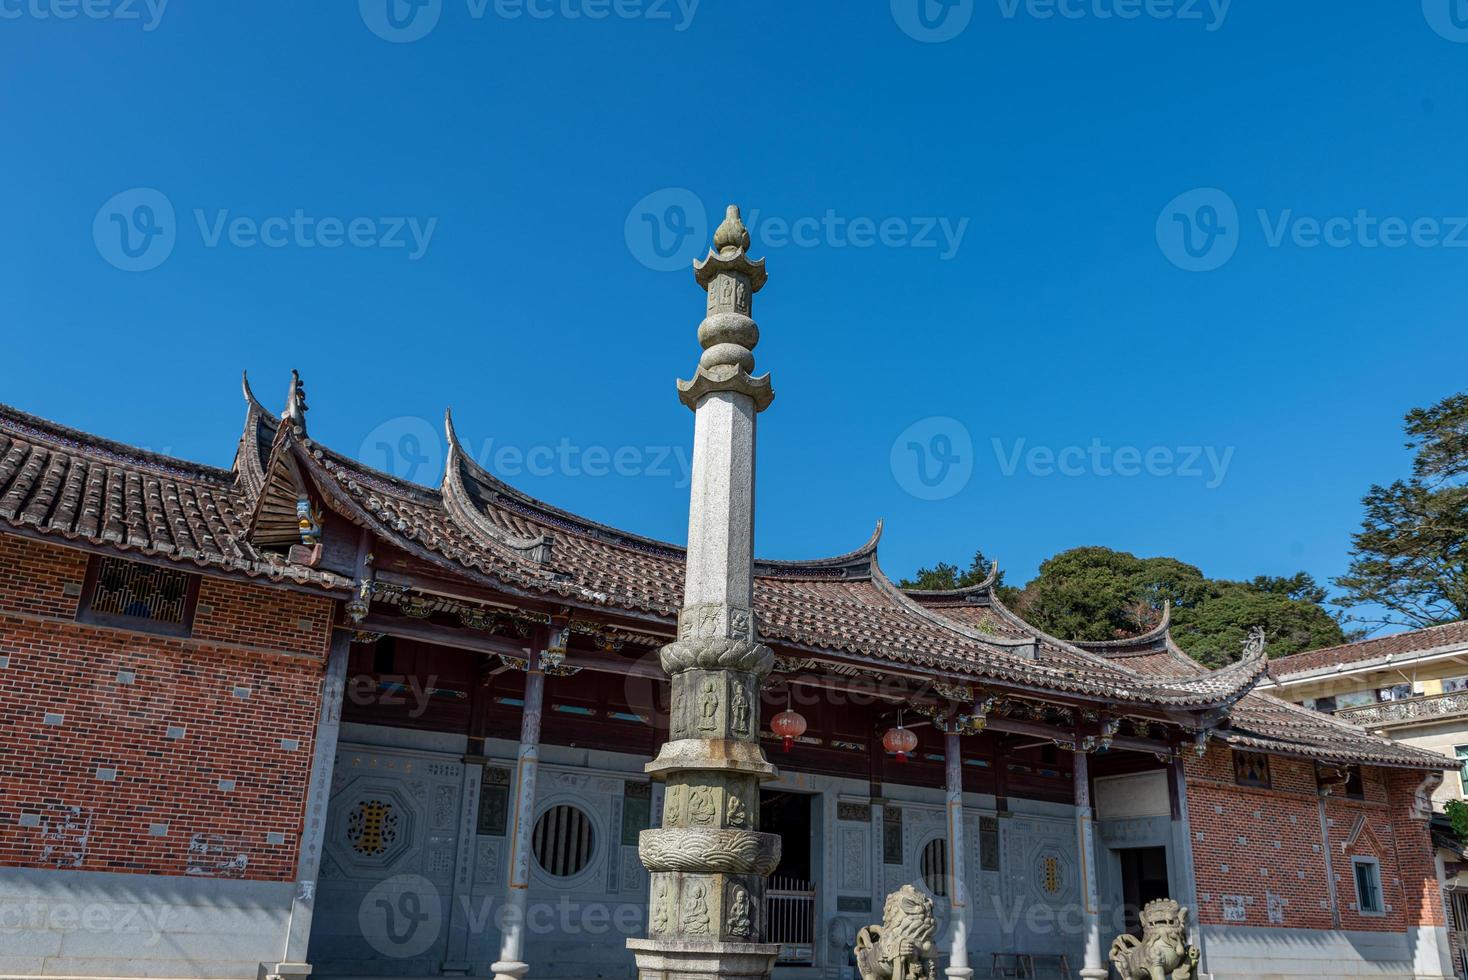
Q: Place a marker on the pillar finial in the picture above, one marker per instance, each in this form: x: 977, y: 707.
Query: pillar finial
x: 728, y: 333
x: 731, y: 233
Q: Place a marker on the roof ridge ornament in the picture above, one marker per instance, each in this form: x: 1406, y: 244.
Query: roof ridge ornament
x: 728, y: 333
x: 295, y: 403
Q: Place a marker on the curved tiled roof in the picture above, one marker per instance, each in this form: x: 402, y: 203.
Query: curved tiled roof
x: 62, y: 482
x: 476, y: 524
x: 56, y: 482
x: 1381, y: 648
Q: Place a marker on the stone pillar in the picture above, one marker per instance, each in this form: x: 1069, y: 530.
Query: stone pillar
x: 318, y: 793
x: 1182, y: 840
x: 958, y: 968
x: 707, y: 862
x: 511, y: 964
x: 1095, y: 967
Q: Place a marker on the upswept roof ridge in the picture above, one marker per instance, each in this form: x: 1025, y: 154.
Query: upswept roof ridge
x: 1215, y: 688
x: 476, y: 524
x: 1256, y: 720
x: 58, y: 482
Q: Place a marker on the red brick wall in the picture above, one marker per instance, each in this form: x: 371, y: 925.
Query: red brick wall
x: 234, y: 702
x: 1258, y: 842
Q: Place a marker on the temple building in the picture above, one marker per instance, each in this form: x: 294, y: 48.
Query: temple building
x: 300, y: 716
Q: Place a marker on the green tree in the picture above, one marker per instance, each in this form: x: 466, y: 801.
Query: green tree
x: 1213, y: 631
x: 1095, y: 593
x: 944, y: 577
x: 1099, y: 594
x: 1409, y: 560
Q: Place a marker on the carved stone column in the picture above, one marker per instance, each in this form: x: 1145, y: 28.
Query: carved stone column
x: 511, y: 964
x: 958, y: 968
x: 707, y: 863
x: 1095, y: 967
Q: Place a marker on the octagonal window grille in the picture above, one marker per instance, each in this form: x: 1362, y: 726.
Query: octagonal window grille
x: 372, y: 827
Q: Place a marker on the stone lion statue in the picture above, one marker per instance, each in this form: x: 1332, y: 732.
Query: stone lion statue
x: 1163, y: 950
x: 902, y: 947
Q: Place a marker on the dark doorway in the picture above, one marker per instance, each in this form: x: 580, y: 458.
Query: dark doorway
x: 788, y: 814
x: 1143, y: 879
x: 790, y: 901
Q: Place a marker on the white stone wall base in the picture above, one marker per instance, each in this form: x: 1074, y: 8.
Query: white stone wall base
x: 660, y: 960
x: 1245, y: 953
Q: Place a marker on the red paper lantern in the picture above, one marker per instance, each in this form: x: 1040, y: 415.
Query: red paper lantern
x: 900, y: 741
x: 789, y: 725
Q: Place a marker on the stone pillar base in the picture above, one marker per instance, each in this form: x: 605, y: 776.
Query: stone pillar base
x: 283, y: 971
x: 663, y: 960
x: 1096, y: 974
x: 509, y: 969
x: 958, y: 972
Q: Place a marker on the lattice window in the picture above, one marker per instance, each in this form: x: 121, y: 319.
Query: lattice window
x: 636, y: 811
x: 1251, y: 769
x: 372, y: 827
x: 563, y: 840
x: 138, y: 596
x: 935, y: 866
x: 1051, y: 878
x: 494, y: 801
x: 988, y: 843
x: 891, y: 835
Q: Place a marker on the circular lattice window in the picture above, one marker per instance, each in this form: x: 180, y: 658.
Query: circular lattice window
x: 372, y: 827
x: 935, y: 866
x: 563, y: 841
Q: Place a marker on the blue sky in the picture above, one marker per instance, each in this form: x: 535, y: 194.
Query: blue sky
x: 1007, y: 241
